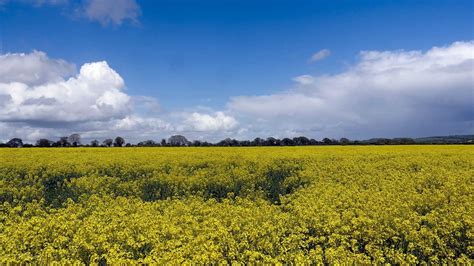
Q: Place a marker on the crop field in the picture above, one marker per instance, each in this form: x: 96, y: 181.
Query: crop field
x: 278, y: 205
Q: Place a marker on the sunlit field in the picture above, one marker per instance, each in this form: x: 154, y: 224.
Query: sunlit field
x: 362, y: 204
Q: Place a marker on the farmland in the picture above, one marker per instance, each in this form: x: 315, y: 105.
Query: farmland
x: 334, y: 204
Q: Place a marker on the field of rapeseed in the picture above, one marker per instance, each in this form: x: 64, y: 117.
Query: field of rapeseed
x: 389, y: 204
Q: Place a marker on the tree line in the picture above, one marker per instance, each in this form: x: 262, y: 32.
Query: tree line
x: 74, y: 140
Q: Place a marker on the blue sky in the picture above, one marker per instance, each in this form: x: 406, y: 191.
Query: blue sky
x: 197, y: 57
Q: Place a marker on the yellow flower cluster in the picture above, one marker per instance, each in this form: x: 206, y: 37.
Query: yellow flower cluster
x: 276, y: 205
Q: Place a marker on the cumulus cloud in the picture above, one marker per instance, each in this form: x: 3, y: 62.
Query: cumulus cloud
x: 113, y: 12
x: 44, y: 97
x: 33, y: 69
x: 320, y: 55
x: 390, y: 93
x: 208, y: 122
x: 38, y: 90
x: 383, y: 94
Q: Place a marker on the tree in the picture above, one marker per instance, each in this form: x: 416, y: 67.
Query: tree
x: 344, y: 141
x: 163, y: 142
x: 234, y: 143
x: 75, y: 139
x: 287, y: 142
x: 95, y: 143
x: 301, y: 141
x: 381, y: 141
x: 62, y: 142
x: 226, y: 142
x: 327, y: 141
x: 245, y: 143
x: 403, y: 141
x: 271, y: 141
x: 206, y: 144
x: 257, y: 142
x: 178, y: 140
x: 147, y: 143
x: 43, y: 143
x: 119, y: 141
x: 15, y: 143
x: 108, y: 142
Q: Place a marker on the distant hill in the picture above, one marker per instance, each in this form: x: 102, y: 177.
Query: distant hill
x: 446, y: 139
x: 453, y: 139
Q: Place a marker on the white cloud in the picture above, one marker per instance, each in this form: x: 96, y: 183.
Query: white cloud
x: 206, y: 122
x: 392, y: 93
x: 320, y: 55
x: 36, y: 88
x: 33, y: 69
x: 304, y: 79
x: 384, y: 94
x: 44, y: 97
x: 135, y: 122
x: 106, y: 12
x: 112, y: 11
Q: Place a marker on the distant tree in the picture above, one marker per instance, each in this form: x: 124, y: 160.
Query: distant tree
x: 403, y: 141
x: 225, y: 143
x: 327, y: 141
x: 301, y: 141
x: 257, y: 142
x: 228, y: 142
x: 287, y: 142
x: 128, y: 144
x: 245, y: 143
x: 197, y: 143
x: 119, y: 141
x: 108, y: 142
x: 163, y: 142
x: 43, y: 143
x: 95, y: 143
x: 15, y: 143
x: 381, y: 141
x: 147, y: 143
x: 75, y: 139
x: 344, y: 141
x: 206, y: 144
x: 178, y: 140
x: 62, y: 142
x: 271, y: 141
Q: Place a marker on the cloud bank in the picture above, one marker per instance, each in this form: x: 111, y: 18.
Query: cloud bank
x: 44, y: 97
x: 40, y: 93
x: 384, y: 94
x: 389, y: 93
